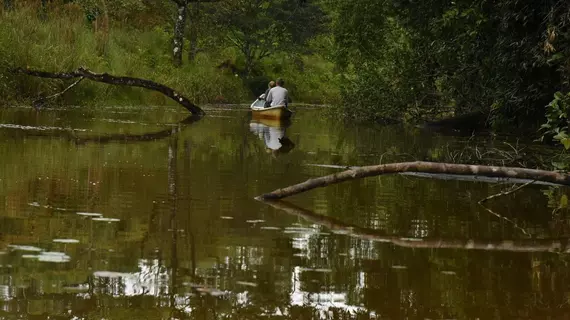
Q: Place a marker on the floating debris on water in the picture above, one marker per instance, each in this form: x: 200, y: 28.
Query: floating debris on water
x: 66, y: 240
x: 452, y: 273
x: 30, y: 256
x: 34, y: 204
x: 106, y: 219
x: 16, y: 247
x: 226, y: 217
x: 247, y: 284
x: 89, y: 214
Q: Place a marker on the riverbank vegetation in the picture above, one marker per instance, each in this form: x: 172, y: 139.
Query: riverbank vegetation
x: 133, y: 38
x: 391, y: 60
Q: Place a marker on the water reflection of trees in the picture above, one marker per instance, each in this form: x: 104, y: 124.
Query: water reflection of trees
x: 172, y: 256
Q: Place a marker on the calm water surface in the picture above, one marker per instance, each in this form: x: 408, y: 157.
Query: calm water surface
x: 121, y: 213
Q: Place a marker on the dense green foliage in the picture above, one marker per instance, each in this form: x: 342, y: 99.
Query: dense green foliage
x: 505, y: 57
x: 134, y: 38
x: 384, y: 60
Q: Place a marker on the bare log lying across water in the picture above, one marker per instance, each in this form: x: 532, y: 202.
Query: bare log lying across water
x: 110, y: 79
x: 445, y: 176
x: 336, y: 226
x: 424, y: 167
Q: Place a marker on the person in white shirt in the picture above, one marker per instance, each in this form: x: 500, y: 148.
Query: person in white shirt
x: 277, y: 96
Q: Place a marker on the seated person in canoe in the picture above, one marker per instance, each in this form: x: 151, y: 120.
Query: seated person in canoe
x: 278, y: 95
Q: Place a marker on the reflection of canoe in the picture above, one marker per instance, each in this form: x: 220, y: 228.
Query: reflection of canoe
x: 277, y: 112
x: 272, y: 133
x: 270, y: 122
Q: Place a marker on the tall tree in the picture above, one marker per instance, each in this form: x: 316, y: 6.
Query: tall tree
x: 193, y: 32
x: 260, y: 28
x: 180, y: 25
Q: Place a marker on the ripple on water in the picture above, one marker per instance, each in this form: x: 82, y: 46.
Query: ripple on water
x: 66, y: 240
x: 16, y: 247
x: 89, y: 214
x: 55, y: 257
x: 106, y: 219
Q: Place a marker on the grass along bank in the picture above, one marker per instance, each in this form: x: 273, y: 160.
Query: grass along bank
x: 65, y: 41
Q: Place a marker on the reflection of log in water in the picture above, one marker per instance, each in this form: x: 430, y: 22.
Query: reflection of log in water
x: 125, y: 138
x: 120, y: 137
x: 519, y: 245
x: 423, y: 167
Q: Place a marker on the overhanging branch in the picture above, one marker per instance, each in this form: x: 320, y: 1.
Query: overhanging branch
x: 116, y: 80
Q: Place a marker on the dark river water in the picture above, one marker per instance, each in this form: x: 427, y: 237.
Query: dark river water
x: 138, y: 213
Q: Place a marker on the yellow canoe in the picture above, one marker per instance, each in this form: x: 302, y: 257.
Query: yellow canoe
x: 277, y: 112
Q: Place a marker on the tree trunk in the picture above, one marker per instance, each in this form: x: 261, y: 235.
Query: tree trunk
x: 193, y: 34
x: 110, y: 79
x: 179, y: 25
x: 421, y: 166
x: 515, y: 245
x: 43, y: 10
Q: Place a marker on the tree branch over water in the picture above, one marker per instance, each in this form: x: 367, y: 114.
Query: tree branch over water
x: 513, y: 245
x: 116, y: 80
x: 554, y: 177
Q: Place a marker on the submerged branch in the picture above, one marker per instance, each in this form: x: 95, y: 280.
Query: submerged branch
x: 116, y: 80
x: 504, y: 193
x: 39, y: 102
x: 423, y: 167
x: 521, y: 229
x: 336, y: 226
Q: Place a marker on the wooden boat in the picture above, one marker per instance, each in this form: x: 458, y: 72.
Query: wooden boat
x: 278, y: 112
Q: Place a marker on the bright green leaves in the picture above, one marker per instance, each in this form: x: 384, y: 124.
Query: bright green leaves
x: 557, y: 119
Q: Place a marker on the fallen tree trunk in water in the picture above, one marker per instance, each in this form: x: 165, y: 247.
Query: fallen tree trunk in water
x: 424, y: 167
x: 338, y: 227
x: 445, y: 176
x: 110, y: 79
